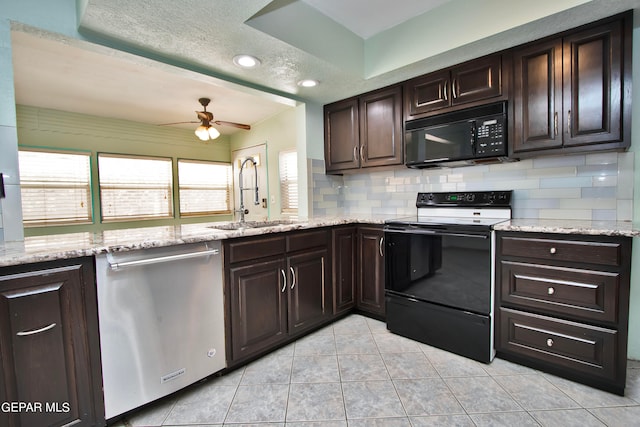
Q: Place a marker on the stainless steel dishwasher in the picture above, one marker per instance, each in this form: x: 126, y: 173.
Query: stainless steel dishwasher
x: 161, y: 317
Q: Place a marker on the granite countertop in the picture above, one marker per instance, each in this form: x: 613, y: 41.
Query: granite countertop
x: 64, y: 246
x: 74, y: 245
x: 571, y: 226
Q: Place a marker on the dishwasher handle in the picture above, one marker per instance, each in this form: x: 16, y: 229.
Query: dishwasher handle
x: 156, y: 260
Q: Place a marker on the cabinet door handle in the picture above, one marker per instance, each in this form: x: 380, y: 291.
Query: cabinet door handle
x: 552, y: 251
x: 293, y: 277
x: 362, y: 148
x: 322, y: 284
x: 284, y: 280
x: 555, y: 124
x: 551, y: 291
x: 549, y: 342
x: 569, y: 122
x: 446, y: 89
x: 355, y: 154
x: 380, y: 246
x: 36, y: 331
x: 453, y: 89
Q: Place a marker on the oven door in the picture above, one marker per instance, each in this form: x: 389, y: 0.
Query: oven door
x: 447, y: 268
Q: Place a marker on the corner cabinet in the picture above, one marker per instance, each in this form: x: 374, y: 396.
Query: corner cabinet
x: 573, y: 93
x: 363, y: 132
x: 344, y: 253
x: 562, y: 305
x: 277, y: 286
x: 473, y: 81
x: 370, y: 292
x: 49, y: 344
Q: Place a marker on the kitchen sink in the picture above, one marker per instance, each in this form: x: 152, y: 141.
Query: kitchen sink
x: 252, y: 224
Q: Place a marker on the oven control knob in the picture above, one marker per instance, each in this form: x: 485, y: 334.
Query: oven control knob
x: 549, y: 342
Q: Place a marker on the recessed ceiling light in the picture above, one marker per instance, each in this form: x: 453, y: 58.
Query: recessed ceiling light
x: 246, y: 61
x: 308, y: 83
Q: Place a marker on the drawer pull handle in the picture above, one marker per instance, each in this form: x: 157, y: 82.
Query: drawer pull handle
x: 551, y: 291
x: 35, y: 331
x: 552, y: 251
x: 549, y: 342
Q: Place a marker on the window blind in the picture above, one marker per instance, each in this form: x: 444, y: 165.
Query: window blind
x: 133, y: 188
x: 204, y: 187
x: 55, y: 188
x: 288, y: 166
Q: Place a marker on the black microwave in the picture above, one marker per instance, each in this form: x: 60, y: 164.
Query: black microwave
x: 473, y: 135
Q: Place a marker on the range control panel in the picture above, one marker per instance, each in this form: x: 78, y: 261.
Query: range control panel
x: 465, y: 199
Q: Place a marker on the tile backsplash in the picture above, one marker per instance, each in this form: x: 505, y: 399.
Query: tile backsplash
x: 585, y: 187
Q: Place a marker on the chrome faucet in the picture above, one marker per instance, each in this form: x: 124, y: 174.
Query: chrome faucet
x: 242, y: 209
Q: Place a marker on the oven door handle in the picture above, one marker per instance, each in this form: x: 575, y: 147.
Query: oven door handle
x: 433, y: 232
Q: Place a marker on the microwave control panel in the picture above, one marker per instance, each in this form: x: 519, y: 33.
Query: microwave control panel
x: 491, y: 137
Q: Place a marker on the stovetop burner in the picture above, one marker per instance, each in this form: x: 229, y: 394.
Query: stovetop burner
x: 434, y: 221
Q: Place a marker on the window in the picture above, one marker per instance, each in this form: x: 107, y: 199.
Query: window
x: 133, y: 188
x: 289, y: 181
x: 55, y: 188
x: 204, y: 187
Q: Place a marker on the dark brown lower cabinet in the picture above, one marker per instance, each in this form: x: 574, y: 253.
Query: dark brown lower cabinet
x: 345, y: 252
x: 370, y: 262
x: 49, y: 345
x: 278, y: 287
x: 562, y: 305
x: 258, y: 307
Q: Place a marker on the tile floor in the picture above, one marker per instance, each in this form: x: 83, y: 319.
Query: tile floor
x: 355, y: 373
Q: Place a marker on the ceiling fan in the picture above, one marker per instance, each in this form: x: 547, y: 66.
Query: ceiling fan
x: 205, y: 131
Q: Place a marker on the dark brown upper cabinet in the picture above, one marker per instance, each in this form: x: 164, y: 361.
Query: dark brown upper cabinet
x: 466, y: 83
x: 573, y: 93
x: 366, y: 131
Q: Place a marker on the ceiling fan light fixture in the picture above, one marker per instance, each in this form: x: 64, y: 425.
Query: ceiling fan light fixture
x: 246, y: 61
x: 308, y: 83
x: 202, y: 132
x: 213, y: 132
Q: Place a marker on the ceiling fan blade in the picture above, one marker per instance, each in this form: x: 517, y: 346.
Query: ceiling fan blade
x: 176, y: 123
x: 235, y: 125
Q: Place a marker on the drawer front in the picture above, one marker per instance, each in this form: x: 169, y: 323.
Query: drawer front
x: 248, y: 249
x: 600, y: 253
x: 581, y: 348
x: 307, y: 240
x: 586, y: 294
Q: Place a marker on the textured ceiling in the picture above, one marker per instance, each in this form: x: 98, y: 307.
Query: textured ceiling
x: 150, y: 61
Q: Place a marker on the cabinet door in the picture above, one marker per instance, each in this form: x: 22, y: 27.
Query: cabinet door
x: 45, y: 348
x: 427, y: 93
x: 344, y: 254
x: 476, y: 80
x: 381, y: 128
x: 342, y: 135
x: 371, y: 270
x: 309, y: 289
x: 258, y: 307
x: 593, y: 88
x: 537, y: 97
